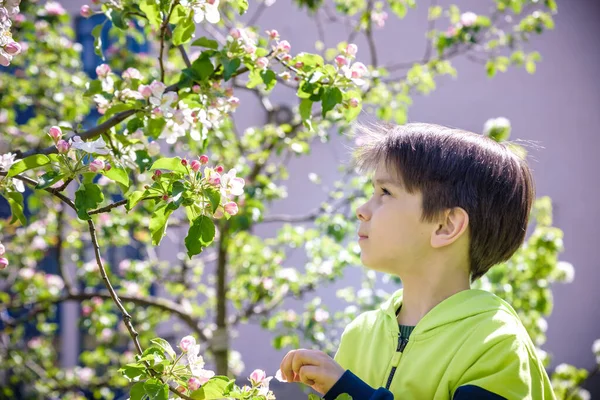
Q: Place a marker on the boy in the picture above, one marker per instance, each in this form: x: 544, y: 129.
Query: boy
x: 448, y: 205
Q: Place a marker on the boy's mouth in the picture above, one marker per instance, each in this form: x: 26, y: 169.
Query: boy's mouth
x: 362, y: 237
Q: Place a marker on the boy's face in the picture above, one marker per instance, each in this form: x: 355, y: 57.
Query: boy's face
x: 392, y: 237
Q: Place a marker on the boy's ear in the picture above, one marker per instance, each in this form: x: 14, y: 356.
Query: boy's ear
x: 451, y: 226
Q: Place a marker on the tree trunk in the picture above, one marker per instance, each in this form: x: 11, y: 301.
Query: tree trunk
x: 220, y: 341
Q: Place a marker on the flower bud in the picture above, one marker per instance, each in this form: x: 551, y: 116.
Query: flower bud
x: 13, y: 48
x: 203, y: 159
x: 273, y: 34
x: 85, y: 11
x: 102, y: 70
x: 299, y: 65
x: 186, y: 343
x: 107, y: 166
x: 354, y: 102
x: 195, y: 165
x: 235, y: 33
x: 96, y: 165
x: 55, y: 133
x: 62, y: 146
x: 3, y: 262
x: 284, y: 46
x: 249, y: 48
x: 262, y: 62
x: 196, y: 88
x: 231, y: 208
x: 219, y: 169
x: 351, y: 49
x: 341, y: 61
x: 287, y: 57
x: 234, y: 102
x: 165, y: 197
x: 184, y: 162
x: 257, y: 376
x: 194, y: 383
x: 145, y: 90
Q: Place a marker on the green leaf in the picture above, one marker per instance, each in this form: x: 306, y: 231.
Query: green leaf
x: 152, y: 11
x: 117, y: 108
x: 118, y: 175
x: 34, y: 161
x: 184, y: 31
x: 206, y: 42
x: 313, y: 396
x: 171, y: 164
x: 214, y: 196
x: 344, y: 396
x: 202, y: 68
x: 240, y: 5
x: 200, y: 235
x: 156, y: 390
x: 133, y: 372
x: 87, y: 197
x: 94, y: 87
x: 254, y: 79
x: 119, y: 19
x: 48, y: 179
x: 134, y: 198
x: 530, y: 67
x: 158, y: 223
x: 163, y: 344
x: 179, y: 13
x: 269, y: 78
x: 331, y: 97
x: 156, y: 126
x: 211, y: 390
x: 306, y: 109
x: 97, y: 34
x: 15, y: 199
x: 137, y: 391
x: 229, y: 67
x: 398, y: 8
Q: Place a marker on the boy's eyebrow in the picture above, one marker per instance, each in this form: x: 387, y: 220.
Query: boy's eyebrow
x: 386, y: 181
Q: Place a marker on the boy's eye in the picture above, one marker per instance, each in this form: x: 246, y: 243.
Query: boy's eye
x: 385, y: 192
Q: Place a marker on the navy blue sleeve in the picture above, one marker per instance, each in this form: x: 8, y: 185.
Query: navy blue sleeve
x: 471, y: 392
x: 357, y: 389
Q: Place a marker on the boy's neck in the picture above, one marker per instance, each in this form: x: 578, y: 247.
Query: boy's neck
x: 421, y: 294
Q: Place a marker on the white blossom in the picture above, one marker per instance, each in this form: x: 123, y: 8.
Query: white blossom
x: 97, y: 146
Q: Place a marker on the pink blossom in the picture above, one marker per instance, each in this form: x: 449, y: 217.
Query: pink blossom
x: 86, y: 11
x: 196, y: 88
x: 231, y: 208
x: 86, y: 310
x: 19, y: 18
x: 97, y: 301
x: 187, y: 343
x: 353, y: 102
x: 235, y: 33
x: 262, y: 62
x: 97, y: 165
x: 341, y: 61
x: 2, y: 249
x: 131, y: 73
x: 273, y: 34
x: 3, y: 262
x: 351, y: 49
x: 55, y: 133
x: 215, y: 179
x: 5, y: 59
x: 257, y: 376
x: 284, y: 46
x: 468, y: 19
x: 102, y: 70
x: 106, y: 334
x: 249, y: 48
x: 451, y: 31
x: 299, y: 65
x: 26, y: 273
x: 107, y: 167
x: 321, y: 315
x: 234, y: 102
x: 195, y: 165
x: 54, y: 8
x: 145, y: 90
x: 13, y: 48
x: 286, y: 58
x: 379, y: 18
x: 203, y: 159
x: 219, y: 169
x: 62, y: 146
x: 34, y: 343
x: 194, y: 383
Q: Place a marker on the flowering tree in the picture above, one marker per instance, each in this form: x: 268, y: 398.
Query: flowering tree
x: 165, y: 155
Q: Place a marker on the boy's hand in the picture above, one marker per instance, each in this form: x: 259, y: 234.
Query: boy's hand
x: 311, y: 367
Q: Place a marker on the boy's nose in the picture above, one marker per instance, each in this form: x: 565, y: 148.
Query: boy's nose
x: 363, y: 213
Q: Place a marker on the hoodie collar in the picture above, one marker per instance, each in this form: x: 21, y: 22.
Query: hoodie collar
x: 459, y: 306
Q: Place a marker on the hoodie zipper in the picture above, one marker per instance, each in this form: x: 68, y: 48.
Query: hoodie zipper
x: 396, y: 359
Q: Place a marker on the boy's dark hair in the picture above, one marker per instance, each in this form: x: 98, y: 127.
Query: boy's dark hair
x: 456, y: 168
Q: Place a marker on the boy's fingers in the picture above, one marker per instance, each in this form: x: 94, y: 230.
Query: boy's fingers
x: 286, y: 366
x: 303, y: 357
x: 308, y: 374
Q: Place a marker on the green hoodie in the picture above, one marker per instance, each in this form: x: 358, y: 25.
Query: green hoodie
x: 472, y: 338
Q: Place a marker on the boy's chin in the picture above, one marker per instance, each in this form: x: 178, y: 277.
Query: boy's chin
x: 374, y: 265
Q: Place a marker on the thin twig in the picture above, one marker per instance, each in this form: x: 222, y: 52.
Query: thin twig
x: 369, y: 35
